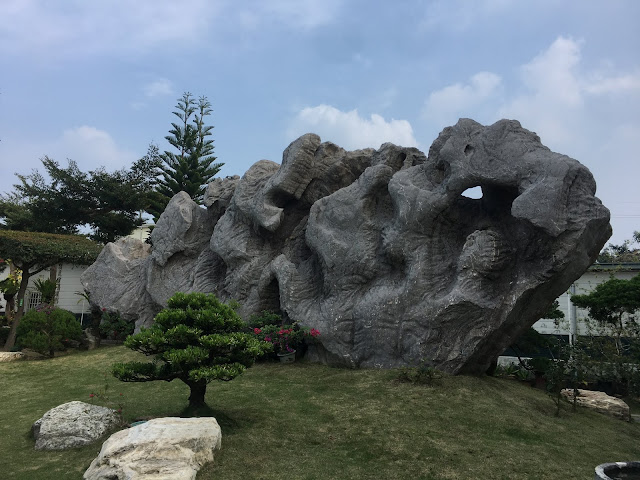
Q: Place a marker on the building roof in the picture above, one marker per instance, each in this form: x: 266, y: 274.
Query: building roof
x: 615, y: 267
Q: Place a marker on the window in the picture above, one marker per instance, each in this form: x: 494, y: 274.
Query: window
x: 34, y: 298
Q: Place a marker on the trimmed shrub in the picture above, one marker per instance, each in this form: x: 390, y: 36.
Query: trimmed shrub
x: 47, y: 329
x: 113, y: 327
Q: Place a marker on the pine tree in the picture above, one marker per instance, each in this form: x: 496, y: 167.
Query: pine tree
x: 196, y: 339
x: 192, y: 167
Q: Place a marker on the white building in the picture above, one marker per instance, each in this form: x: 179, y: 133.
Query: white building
x: 69, y: 286
x: 574, y: 318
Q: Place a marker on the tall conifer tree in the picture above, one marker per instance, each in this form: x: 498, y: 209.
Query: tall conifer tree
x: 192, y: 166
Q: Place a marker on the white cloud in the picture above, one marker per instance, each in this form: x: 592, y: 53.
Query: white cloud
x: 295, y: 14
x: 350, y: 130
x: 558, y: 95
x: 600, y: 84
x: 161, y: 86
x: 54, y: 29
x: 91, y: 148
x: 445, y: 106
x: 459, y: 15
x: 552, y: 74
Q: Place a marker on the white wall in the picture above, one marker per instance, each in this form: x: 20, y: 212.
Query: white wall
x: 69, y: 283
x: 69, y: 276
x: 586, y: 283
x: 142, y: 232
x: 3, y: 275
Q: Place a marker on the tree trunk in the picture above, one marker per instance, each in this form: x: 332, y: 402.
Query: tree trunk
x: 53, y: 273
x: 96, y: 318
x: 198, y: 390
x: 10, y: 307
x: 11, y: 339
x: 53, y: 276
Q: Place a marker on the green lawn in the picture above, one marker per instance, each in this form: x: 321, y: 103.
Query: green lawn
x: 304, y: 421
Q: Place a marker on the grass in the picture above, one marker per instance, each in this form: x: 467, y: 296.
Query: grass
x: 304, y: 421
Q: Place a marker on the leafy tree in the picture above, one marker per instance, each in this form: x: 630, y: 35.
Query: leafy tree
x: 48, y: 329
x: 196, y: 339
x: 192, y: 167
x: 109, y: 203
x: 623, y: 253
x: 613, y: 304
x: 554, y: 312
x: 32, y: 252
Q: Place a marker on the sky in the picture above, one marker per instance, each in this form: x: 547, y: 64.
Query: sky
x: 96, y: 82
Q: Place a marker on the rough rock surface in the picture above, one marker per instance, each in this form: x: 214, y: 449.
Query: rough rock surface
x: 600, y: 402
x: 162, y: 448
x: 379, y: 249
x: 11, y: 356
x: 73, y: 424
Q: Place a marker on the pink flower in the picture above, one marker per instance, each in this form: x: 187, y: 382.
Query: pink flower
x: 257, y: 331
x: 267, y: 339
x: 314, y: 332
x: 91, y: 395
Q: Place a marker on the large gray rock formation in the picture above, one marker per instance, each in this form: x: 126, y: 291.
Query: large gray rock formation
x: 379, y: 249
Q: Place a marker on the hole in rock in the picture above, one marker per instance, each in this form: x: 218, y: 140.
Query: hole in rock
x: 468, y: 150
x: 473, y: 192
x: 280, y: 198
x: 498, y: 198
x: 270, y: 299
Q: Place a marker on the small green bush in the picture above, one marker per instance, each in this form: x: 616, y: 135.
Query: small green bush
x: 47, y: 329
x: 113, y: 327
x: 424, y: 374
x: 265, y: 318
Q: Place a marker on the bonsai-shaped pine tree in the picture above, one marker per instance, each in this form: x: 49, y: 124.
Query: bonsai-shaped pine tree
x: 196, y: 339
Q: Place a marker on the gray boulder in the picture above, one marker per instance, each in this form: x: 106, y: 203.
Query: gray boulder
x: 116, y: 279
x: 73, y: 424
x: 162, y: 448
x: 381, y: 250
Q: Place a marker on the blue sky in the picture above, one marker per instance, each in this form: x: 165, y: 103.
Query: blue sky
x: 97, y: 81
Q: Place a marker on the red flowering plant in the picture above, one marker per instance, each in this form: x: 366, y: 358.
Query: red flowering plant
x: 285, y: 338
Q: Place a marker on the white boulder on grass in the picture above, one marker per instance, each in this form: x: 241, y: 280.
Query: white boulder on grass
x: 73, y: 424
x: 163, y: 448
x: 11, y: 356
x: 600, y: 402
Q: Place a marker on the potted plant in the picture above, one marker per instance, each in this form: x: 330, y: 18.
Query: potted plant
x: 285, y: 338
